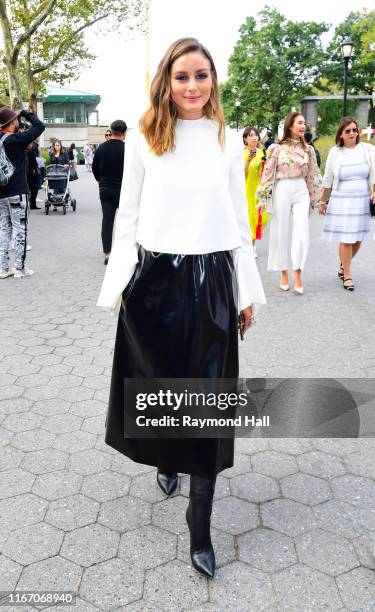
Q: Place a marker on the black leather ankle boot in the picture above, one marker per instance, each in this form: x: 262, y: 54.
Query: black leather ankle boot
x: 167, y: 481
x: 198, y: 518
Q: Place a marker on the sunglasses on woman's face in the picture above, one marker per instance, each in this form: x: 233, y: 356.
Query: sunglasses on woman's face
x: 349, y: 130
x: 108, y: 135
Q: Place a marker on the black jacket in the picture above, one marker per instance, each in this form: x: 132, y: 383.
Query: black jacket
x: 15, y: 148
x: 62, y: 159
x: 108, y: 164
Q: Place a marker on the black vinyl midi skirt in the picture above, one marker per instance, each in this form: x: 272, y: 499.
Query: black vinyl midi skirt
x: 178, y: 319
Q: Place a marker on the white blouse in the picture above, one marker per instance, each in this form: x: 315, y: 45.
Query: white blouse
x: 189, y: 201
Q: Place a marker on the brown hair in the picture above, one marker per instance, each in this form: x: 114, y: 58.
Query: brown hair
x: 345, y: 121
x: 158, y: 123
x: 288, y: 124
x: 54, y: 141
x: 247, y: 131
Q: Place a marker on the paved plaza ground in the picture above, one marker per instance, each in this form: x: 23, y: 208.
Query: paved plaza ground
x: 294, y: 519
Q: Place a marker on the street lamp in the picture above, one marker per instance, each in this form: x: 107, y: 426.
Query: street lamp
x: 238, y: 104
x: 346, y: 50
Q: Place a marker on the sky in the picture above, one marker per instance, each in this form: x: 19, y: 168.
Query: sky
x: 118, y: 74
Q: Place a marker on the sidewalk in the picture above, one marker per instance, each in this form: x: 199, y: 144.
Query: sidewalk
x: 294, y: 519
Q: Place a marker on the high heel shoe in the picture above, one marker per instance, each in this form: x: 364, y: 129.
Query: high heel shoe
x: 348, y: 287
x: 198, y: 518
x: 298, y: 290
x: 167, y: 481
x: 284, y: 287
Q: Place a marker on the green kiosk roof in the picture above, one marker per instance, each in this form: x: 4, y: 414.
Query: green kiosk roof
x: 60, y: 94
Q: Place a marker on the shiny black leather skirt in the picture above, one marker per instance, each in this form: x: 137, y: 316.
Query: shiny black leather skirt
x: 178, y: 319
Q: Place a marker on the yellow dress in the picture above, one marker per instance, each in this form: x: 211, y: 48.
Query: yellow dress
x: 252, y: 178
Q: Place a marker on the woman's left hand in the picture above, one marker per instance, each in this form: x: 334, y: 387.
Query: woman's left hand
x: 246, y: 318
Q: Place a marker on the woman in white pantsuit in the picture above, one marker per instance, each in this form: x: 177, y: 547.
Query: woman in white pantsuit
x: 293, y: 179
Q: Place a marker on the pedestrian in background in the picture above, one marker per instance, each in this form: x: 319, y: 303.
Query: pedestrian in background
x: 107, y: 135
x: 108, y: 168
x: 254, y: 161
x: 290, y: 186
x: 59, y: 157
x: 310, y: 141
x: 14, y: 199
x: 33, y: 173
x: 88, y: 155
x: 348, y: 184
x: 73, y: 155
x: 270, y: 140
x: 181, y: 240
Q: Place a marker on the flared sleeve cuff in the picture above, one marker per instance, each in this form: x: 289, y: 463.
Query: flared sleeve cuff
x: 313, y: 179
x: 249, y: 285
x: 264, y: 191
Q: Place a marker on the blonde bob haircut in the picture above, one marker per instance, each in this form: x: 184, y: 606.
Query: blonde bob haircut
x: 158, y: 123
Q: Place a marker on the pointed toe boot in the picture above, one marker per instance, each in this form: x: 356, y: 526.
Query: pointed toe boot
x: 198, y: 518
x: 167, y: 481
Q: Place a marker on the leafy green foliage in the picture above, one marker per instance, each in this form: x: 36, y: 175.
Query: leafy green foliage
x: 274, y: 64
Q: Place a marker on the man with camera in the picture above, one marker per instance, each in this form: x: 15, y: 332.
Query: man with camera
x: 14, y: 189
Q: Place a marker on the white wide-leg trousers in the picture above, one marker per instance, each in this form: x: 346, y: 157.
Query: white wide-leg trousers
x: 290, y: 201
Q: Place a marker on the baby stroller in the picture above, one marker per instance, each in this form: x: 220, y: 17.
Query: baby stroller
x: 57, y: 189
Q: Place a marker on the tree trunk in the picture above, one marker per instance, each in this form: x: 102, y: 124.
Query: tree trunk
x: 31, y: 90
x: 14, y: 84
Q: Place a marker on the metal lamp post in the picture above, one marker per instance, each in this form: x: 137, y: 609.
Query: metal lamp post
x: 238, y: 104
x: 346, y: 50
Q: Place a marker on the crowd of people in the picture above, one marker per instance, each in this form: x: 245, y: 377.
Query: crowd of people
x: 181, y: 269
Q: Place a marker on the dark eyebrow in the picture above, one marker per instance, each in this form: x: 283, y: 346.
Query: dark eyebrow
x: 185, y: 71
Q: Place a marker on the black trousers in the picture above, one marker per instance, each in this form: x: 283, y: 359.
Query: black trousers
x: 178, y: 320
x: 109, y: 199
x: 32, y: 181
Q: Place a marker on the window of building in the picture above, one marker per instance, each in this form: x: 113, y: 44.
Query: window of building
x: 73, y: 112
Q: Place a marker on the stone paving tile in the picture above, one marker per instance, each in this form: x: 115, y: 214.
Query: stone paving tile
x: 74, y: 441
x: 6, y: 437
x: 223, y: 543
x: 9, y: 573
x: 33, y: 543
x: 24, y: 369
x: 272, y: 463
x: 124, y: 465
x: 8, y: 392
x: 146, y: 487
x: 10, y: 457
x: 344, y: 519
x: 15, y: 482
x: 355, y: 490
x: 306, y: 489
x: 321, y: 464
x: 291, y: 446
x: 88, y: 408
x: 41, y: 393
x: 234, y: 515
x: 72, y: 512
x: 62, y: 423
x: 105, y: 485
x: 365, y: 548
x: 95, y: 424
x: 44, y: 461
x: 239, y: 586
x: 51, y: 407
x: 112, y: 584
x: 254, y: 487
x: 170, y: 514
x: 12, y: 406
x: 47, y: 360
x: 21, y: 510
x: 22, y: 421
x: 76, y: 394
x: 148, y: 547
x: 361, y: 463
x: 174, y: 586
x: 327, y: 552
x: 357, y: 589
x: 301, y: 588
x: 241, y: 466
x: 53, y: 574
x: 287, y: 516
x: 89, y: 462
x: 32, y: 380
x: 248, y: 446
x: 57, y: 484
x: 90, y: 544
x: 125, y: 513
x: 80, y: 606
x: 340, y: 446
x: 34, y: 439
x: 266, y: 550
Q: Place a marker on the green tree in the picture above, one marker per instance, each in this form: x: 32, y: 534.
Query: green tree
x: 274, y: 64
x: 360, y: 28
x: 44, y: 39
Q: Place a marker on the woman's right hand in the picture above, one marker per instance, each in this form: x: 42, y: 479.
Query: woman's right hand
x: 260, y: 208
x: 322, y: 209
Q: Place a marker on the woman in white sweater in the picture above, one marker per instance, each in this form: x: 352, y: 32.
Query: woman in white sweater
x: 348, y: 184
x: 182, y: 237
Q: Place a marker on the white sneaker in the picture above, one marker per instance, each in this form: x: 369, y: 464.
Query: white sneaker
x: 29, y: 247
x: 23, y: 273
x: 6, y: 273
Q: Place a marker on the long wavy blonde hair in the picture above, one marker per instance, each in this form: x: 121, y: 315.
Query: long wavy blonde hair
x: 158, y: 123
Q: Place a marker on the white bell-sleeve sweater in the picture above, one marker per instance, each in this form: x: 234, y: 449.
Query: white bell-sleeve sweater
x: 189, y: 201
